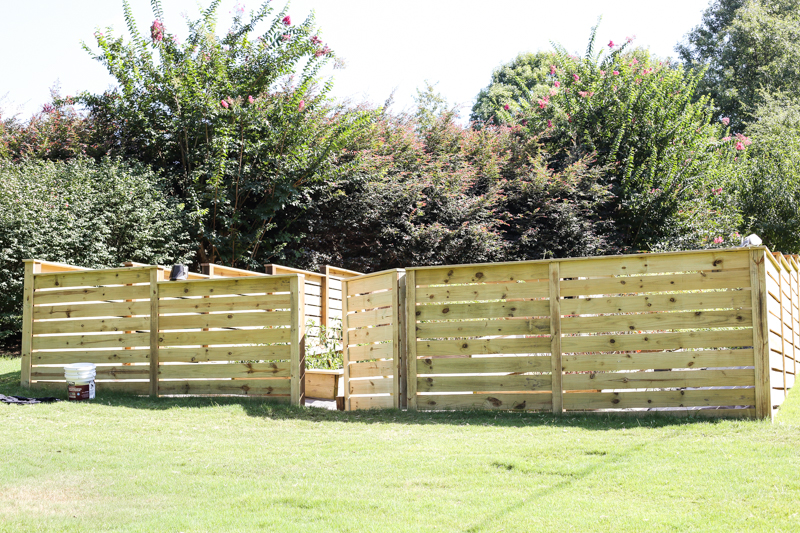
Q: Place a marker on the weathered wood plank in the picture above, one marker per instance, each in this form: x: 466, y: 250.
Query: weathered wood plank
x: 377, y: 334
x: 661, y: 283
x: 658, y: 341
x: 509, y: 383
x: 658, y: 321
x: 371, y: 402
x: 373, y: 317
x: 92, y: 278
x: 266, y: 302
x: 91, y: 310
x: 384, y: 368
x: 369, y: 301
x: 371, y: 351
x: 97, y: 294
x: 482, y: 273
x: 483, y: 347
x: 528, y: 308
x: 91, y: 341
x: 383, y: 282
x: 226, y: 320
x: 236, y: 370
x: 483, y: 328
x: 94, y: 356
x: 480, y: 365
x: 638, y: 400
x: 513, y: 402
x: 659, y: 380
x: 373, y: 385
x: 275, y: 352
x: 655, y: 263
x: 129, y: 387
x: 736, y: 299
x: 646, y: 361
x: 227, y: 286
x: 242, y: 336
x: 251, y: 387
x: 102, y: 372
x: 478, y: 292
x: 91, y: 326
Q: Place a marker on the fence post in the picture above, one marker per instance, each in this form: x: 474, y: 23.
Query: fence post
x: 400, y: 366
x: 155, y: 338
x: 31, y: 267
x: 345, y: 350
x: 758, y: 295
x: 555, y: 337
x: 297, y: 286
x: 411, y: 338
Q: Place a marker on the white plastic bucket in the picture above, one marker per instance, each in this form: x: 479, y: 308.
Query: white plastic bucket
x: 80, y: 381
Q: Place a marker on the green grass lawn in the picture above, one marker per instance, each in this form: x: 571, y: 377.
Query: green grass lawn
x: 123, y: 463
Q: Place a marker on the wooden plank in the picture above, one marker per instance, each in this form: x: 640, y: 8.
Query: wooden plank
x: 656, y: 263
x: 321, y: 384
x: 400, y: 348
x: 396, y: 339
x: 479, y: 365
x: 483, y: 328
x: 658, y: 321
x: 91, y: 341
x: 50, y: 266
x: 377, y: 334
x: 478, y: 292
x: 227, y: 286
x: 655, y: 399
x: 383, y: 368
x: 235, y: 370
x: 659, y: 380
x: 512, y: 402
x: 662, y: 283
x: 346, y: 350
x: 226, y: 320
x: 92, y: 278
x: 483, y: 347
x: 129, y: 387
x: 241, y: 336
x: 252, y: 387
x: 384, y: 282
x: 646, y: 361
x: 555, y: 337
x: 373, y: 317
x: 298, y: 339
x: 372, y: 385
x: 276, y: 352
x: 91, y: 326
x: 278, y: 270
x: 154, y: 334
x: 482, y: 273
x: 226, y: 271
x: 134, y: 292
x: 509, y: 383
x: 370, y: 351
x: 658, y: 341
x: 102, y: 372
x: 27, y: 324
x: 91, y: 310
x: 94, y: 356
x: 371, y: 402
x: 369, y: 301
x: 411, y: 339
x: 760, y: 332
x: 226, y: 303
x: 528, y: 308
x: 736, y: 299
x: 340, y: 272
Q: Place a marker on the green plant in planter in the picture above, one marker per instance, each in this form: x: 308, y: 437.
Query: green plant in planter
x: 325, y: 351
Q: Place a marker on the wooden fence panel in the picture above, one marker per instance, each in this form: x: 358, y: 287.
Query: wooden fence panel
x: 372, y: 340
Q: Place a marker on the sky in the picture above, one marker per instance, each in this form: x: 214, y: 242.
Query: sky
x: 387, y: 46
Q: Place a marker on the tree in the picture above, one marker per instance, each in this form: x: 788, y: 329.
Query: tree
x: 239, y: 124
x: 745, y: 46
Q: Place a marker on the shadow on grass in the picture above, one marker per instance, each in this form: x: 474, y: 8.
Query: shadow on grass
x: 266, y: 408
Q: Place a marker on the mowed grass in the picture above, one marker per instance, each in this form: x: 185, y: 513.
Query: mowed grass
x: 124, y: 463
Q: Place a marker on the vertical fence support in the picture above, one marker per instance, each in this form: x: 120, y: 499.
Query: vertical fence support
x: 400, y: 366
x: 27, y: 323
x: 155, y: 337
x: 555, y: 337
x: 324, y: 301
x: 345, y: 350
x: 758, y: 295
x: 297, y: 286
x: 396, y: 336
x: 411, y: 338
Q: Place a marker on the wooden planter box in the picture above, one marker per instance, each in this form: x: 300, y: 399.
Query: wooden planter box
x: 324, y: 384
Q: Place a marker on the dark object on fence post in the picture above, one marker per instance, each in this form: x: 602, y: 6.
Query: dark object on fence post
x: 178, y: 272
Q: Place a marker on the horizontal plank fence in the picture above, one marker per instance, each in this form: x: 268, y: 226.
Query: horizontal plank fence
x: 372, y: 329
x: 702, y: 333
x: 241, y: 335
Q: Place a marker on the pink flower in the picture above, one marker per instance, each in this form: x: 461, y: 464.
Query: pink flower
x: 223, y: 103
x: 157, y: 31
x: 616, y: 73
x: 287, y: 37
x: 553, y: 92
x: 585, y: 94
x: 524, y: 122
x: 542, y: 104
x: 745, y: 140
x: 718, y: 240
x: 552, y: 70
x: 301, y: 105
x: 316, y: 40
x: 739, y: 146
x: 506, y: 107
x: 726, y: 139
x: 611, y: 44
x: 557, y: 84
x: 634, y: 62
x: 725, y: 120
x: 250, y: 99
x: 549, y: 123
x: 576, y: 77
x: 629, y: 39
x: 602, y: 72
x: 287, y: 20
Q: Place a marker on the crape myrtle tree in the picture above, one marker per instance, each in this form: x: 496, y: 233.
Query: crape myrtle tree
x: 239, y: 124
x: 657, y: 147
